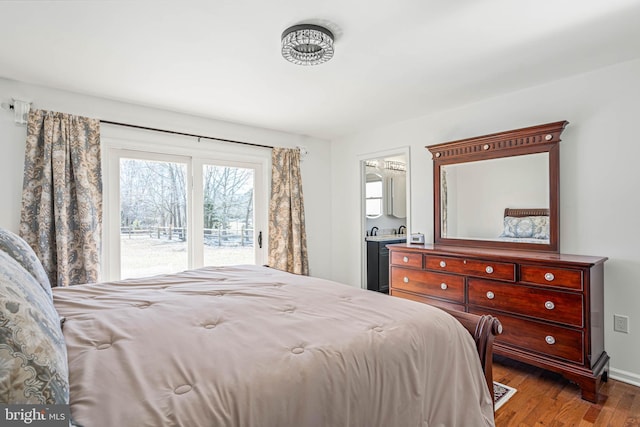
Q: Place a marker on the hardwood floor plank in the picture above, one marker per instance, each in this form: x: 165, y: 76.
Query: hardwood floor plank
x: 621, y: 412
x: 592, y: 414
x: 634, y: 413
x: 546, y: 399
x: 613, y: 393
x: 546, y: 411
x: 574, y: 409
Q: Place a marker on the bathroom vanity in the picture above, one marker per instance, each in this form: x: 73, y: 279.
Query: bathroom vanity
x: 378, y: 261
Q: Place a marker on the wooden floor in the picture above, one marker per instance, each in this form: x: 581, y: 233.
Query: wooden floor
x: 547, y: 399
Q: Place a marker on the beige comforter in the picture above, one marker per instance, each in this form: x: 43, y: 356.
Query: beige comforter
x: 251, y: 346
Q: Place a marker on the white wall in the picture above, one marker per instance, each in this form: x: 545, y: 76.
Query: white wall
x: 599, y: 200
x: 315, y: 166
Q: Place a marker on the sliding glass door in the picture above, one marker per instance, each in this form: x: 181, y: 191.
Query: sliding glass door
x: 169, y: 213
x: 153, y: 217
x: 228, y: 215
x: 226, y: 195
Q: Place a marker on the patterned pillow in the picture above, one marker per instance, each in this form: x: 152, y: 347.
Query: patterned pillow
x: 534, y: 227
x: 33, y: 355
x: 20, y: 250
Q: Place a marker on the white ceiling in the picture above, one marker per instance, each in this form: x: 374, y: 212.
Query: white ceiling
x: 393, y: 59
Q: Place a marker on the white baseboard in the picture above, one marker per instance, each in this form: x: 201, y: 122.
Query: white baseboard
x: 625, y: 377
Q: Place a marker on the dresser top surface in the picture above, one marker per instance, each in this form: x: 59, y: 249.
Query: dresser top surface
x: 505, y: 254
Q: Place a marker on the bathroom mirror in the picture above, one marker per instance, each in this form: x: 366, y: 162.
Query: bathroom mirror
x: 499, y: 190
x: 396, y: 200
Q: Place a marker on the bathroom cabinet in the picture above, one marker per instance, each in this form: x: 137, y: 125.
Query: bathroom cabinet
x: 378, y: 263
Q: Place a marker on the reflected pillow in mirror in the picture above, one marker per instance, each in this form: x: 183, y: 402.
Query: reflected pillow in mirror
x: 533, y: 227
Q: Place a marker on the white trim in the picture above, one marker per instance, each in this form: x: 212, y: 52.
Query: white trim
x: 189, y: 147
x: 624, y: 376
x: 361, y: 158
x: 110, y: 258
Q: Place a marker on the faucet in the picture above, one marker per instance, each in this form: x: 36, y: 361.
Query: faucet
x: 374, y: 231
x: 402, y: 230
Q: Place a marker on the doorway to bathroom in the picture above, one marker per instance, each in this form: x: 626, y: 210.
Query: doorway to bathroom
x: 385, y: 212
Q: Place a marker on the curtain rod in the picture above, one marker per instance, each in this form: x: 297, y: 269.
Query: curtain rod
x: 184, y: 134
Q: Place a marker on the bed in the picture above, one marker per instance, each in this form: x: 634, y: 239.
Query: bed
x: 253, y: 346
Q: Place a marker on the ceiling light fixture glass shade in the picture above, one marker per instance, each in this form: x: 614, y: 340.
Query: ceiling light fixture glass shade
x: 307, y: 44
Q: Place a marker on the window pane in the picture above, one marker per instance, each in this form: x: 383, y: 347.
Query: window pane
x: 373, y: 207
x: 374, y: 189
x: 228, y: 215
x: 153, y: 218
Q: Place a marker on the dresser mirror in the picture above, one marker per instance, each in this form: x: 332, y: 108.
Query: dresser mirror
x: 499, y: 190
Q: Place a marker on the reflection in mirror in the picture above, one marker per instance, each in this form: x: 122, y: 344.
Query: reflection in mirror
x: 397, y: 194
x: 474, y: 195
x: 373, y: 195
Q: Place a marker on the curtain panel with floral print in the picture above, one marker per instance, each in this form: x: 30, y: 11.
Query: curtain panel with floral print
x: 61, y: 215
x: 287, y: 234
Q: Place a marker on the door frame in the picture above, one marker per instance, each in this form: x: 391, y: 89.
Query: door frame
x: 362, y: 158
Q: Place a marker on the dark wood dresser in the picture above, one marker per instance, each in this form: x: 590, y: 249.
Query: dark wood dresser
x: 550, y: 305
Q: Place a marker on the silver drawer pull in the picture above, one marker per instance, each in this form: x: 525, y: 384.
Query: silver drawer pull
x: 489, y: 269
x: 550, y: 340
x: 405, y: 280
x: 549, y: 277
x: 549, y: 305
x: 443, y: 264
x: 491, y: 295
x: 443, y: 286
x: 405, y: 259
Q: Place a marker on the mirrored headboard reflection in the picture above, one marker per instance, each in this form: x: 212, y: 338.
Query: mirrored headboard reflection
x: 499, y: 190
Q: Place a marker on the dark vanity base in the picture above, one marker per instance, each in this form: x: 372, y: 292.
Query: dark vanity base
x: 378, y: 264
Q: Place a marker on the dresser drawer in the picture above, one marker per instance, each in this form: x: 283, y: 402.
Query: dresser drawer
x: 562, y: 307
x: 472, y: 267
x: 426, y: 300
x: 555, y: 341
x: 407, y: 259
x: 549, y: 276
x: 447, y: 286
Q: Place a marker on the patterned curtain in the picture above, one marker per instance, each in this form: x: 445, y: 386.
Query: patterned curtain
x: 287, y: 234
x: 444, y: 203
x: 61, y: 216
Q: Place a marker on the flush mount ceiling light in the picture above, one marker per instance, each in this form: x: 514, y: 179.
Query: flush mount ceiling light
x: 307, y: 44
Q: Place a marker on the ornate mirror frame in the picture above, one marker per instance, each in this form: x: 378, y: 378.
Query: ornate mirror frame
x: 530, y: 140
